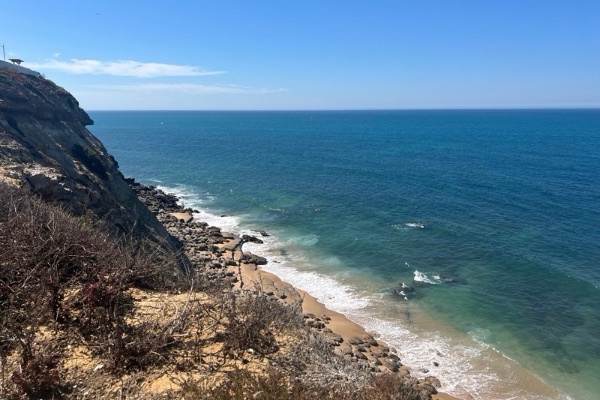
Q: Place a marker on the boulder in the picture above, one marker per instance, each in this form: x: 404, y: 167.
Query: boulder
x: 333, y: 338
x: 433, y: 381
x: 251, y: 239
x: 355, y: 341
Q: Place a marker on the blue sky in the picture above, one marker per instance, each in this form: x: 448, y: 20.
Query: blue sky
x: 324, y: 54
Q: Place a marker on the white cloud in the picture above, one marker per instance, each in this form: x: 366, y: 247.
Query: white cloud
x: 191, y: 88
x: 122, y: 68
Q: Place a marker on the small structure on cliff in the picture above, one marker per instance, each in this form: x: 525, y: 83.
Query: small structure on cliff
x: 18, y: 68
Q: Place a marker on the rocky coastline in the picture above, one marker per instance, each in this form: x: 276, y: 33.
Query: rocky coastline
x: 138, y: 329
x: 219, y: 256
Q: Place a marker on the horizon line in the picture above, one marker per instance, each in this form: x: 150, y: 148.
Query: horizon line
x: 532, y: 108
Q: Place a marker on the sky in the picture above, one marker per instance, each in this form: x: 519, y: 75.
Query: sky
x: 311, y: 54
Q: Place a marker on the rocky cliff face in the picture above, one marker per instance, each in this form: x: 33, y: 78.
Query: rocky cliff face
x: 45, y: 146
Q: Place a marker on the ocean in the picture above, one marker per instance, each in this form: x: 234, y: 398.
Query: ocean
x: 492, y: 217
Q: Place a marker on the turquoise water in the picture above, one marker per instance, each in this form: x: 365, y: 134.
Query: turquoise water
x: 493, y: 216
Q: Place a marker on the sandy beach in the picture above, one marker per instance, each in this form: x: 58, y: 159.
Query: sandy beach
x: 338, y: 323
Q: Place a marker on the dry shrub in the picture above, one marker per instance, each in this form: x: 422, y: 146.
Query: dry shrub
x: 391, y: 387
x: 278, y: 384
x: 67, y: 272
x: 38, y: 375
x: 253, y: 319
x: 242, y: 384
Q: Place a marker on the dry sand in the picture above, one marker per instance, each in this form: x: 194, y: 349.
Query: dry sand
x: 186, y: 217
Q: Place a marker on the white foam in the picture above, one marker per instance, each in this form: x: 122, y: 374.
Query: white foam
x: 400, y: 227
x: 423, y: 278
x: 409, y: 225
x: 419, y: 225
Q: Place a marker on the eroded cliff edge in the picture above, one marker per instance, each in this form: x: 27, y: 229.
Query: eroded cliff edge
x: 45, y: 146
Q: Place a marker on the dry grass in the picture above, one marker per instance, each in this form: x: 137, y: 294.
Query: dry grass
x: 85, y: 315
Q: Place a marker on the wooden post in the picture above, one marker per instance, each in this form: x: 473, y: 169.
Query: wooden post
x: 3, y: 53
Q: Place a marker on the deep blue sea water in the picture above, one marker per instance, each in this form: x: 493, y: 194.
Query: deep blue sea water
x: 492, y: 215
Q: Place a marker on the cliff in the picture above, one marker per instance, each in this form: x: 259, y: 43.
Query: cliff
x: 45, y: 146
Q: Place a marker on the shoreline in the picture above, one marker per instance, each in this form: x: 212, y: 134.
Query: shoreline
x: 338, y: 323
x: 350, y: 340
x: 509, y: 379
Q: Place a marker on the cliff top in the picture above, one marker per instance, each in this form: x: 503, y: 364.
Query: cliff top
x: 17, y: 67
x: 45, y: 147
x: 26, y: 91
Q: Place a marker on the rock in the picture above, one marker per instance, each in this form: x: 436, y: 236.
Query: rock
x: 433, y: 381
x: 251, y: 239
x: 370, y: 340
x: 392, y: 366
x: 316, y: 324
x: 374, y: 367
x: 47, y: 149
x: 333, y: 338
x: 406, y: 288
x: 427, y: 390
x: 377, y: 351
x: 250, y: 258
x: 355, y: 341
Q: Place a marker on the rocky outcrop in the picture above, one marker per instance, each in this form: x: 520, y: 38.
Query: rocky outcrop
x: 45, y: 146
